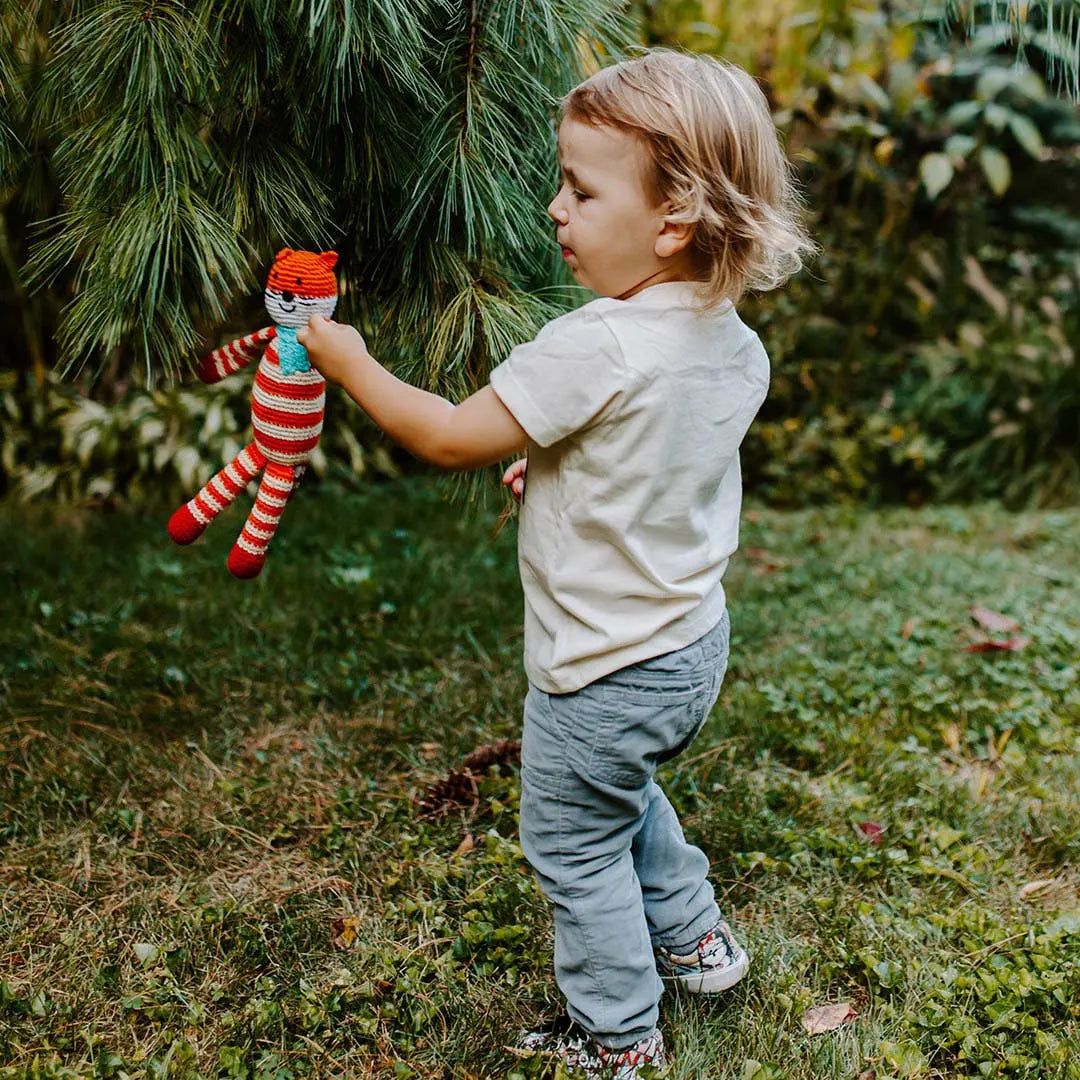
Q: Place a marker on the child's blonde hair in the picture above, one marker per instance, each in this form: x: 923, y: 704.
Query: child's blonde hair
x: 715, y: 155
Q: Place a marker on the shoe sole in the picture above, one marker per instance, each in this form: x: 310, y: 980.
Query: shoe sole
x: 518, y: 1052
x: 521, y: 1052
x: 709, y: 982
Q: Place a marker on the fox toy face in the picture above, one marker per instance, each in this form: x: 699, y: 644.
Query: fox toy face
x: 301, y: 284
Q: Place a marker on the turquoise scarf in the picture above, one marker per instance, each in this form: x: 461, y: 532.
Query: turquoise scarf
x: 292, y: 355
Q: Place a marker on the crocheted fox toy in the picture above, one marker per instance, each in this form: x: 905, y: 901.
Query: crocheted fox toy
x: 287, y: 404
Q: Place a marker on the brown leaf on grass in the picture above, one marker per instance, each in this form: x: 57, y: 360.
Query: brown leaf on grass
x: 871, y: 830
x: 909, y: 627
x: 993, y: 621
x: 822, y: 1018
x: 765, y: 561
x: 343, y: 932
x: 1013, y: 644
x: 466, y: 845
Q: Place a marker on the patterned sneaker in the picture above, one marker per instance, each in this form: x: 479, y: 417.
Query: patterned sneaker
x: 718, y: 962
x: 570, y: 1042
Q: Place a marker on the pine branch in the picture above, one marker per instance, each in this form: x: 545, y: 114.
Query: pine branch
x: 194, y: 139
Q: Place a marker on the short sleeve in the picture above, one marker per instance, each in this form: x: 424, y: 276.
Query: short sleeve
x: 560, y: 382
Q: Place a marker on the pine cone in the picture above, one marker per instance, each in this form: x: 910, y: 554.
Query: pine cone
x: 454, y: 789
x: 458, y: 787
x: 504, y: 752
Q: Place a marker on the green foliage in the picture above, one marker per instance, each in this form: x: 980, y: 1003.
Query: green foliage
x: 990, y: 407
x: 203, y: 775
x: 926, y: 355
x: 929, y: 354
x: 994, y: 993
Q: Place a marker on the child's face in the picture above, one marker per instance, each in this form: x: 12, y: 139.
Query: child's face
x: 615, y: 240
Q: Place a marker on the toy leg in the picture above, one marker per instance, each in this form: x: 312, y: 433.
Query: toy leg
x: 188, y: 522
x: 249, y: 552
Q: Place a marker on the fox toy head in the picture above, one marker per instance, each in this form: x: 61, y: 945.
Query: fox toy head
x: 301, y: 284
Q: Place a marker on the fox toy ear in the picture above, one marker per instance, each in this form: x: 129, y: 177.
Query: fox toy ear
x: 328, y: 259
x: 282, y: 254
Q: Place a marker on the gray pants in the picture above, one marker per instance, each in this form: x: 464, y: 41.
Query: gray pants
x: 604, y: 841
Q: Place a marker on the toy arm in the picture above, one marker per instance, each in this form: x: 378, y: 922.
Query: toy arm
x: 227, y: 359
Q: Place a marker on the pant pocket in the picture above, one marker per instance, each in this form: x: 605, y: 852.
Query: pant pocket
x: 644, y: 729
x: 709, y: 700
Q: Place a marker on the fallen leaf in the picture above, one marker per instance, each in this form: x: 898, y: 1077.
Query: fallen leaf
x: 343, y: 932
x: 765, y: 562
x: 993, y: 621
x: 1013, y: 644
x: 822, y: 1018
x: 1033, y: 887
x: 871, y: 830
x: 430, y: 750
x: 466, y: 845
x: 867, y: 1075
x: 909, y: 627
x: 145, y: 952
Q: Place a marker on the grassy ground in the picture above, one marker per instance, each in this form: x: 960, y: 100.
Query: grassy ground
x: 201, y: 776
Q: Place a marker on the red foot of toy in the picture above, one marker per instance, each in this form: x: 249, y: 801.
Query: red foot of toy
x: 242, y: 564
x: 184, y: 527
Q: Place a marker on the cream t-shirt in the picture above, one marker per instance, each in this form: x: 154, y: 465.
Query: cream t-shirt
x: 635, y: 410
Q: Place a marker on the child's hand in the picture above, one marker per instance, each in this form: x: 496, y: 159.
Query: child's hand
x: 514, y: 478
x: 333, y: 348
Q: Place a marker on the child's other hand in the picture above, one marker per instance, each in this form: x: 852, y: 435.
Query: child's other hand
x: 333, y: 348
x: 514, y: 478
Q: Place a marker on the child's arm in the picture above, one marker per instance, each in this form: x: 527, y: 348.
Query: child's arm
x: 479, y: 431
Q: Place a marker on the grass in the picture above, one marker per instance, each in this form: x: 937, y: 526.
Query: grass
x: 201, y: 777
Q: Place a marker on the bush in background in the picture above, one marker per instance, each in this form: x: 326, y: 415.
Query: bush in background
x: 151, y: 446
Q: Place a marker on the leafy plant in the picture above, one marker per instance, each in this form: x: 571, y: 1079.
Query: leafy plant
x: 910, y: 142
x: 150, y: 445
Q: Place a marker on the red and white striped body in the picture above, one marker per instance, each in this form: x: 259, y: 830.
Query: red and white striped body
x: 286, y: 410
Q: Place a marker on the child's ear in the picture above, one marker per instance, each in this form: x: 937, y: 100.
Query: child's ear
x: 673, y: 237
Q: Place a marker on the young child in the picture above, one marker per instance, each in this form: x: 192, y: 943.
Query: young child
x: 675, y: 198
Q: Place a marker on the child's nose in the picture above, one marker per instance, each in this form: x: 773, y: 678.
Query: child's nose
x: 557, y: 212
